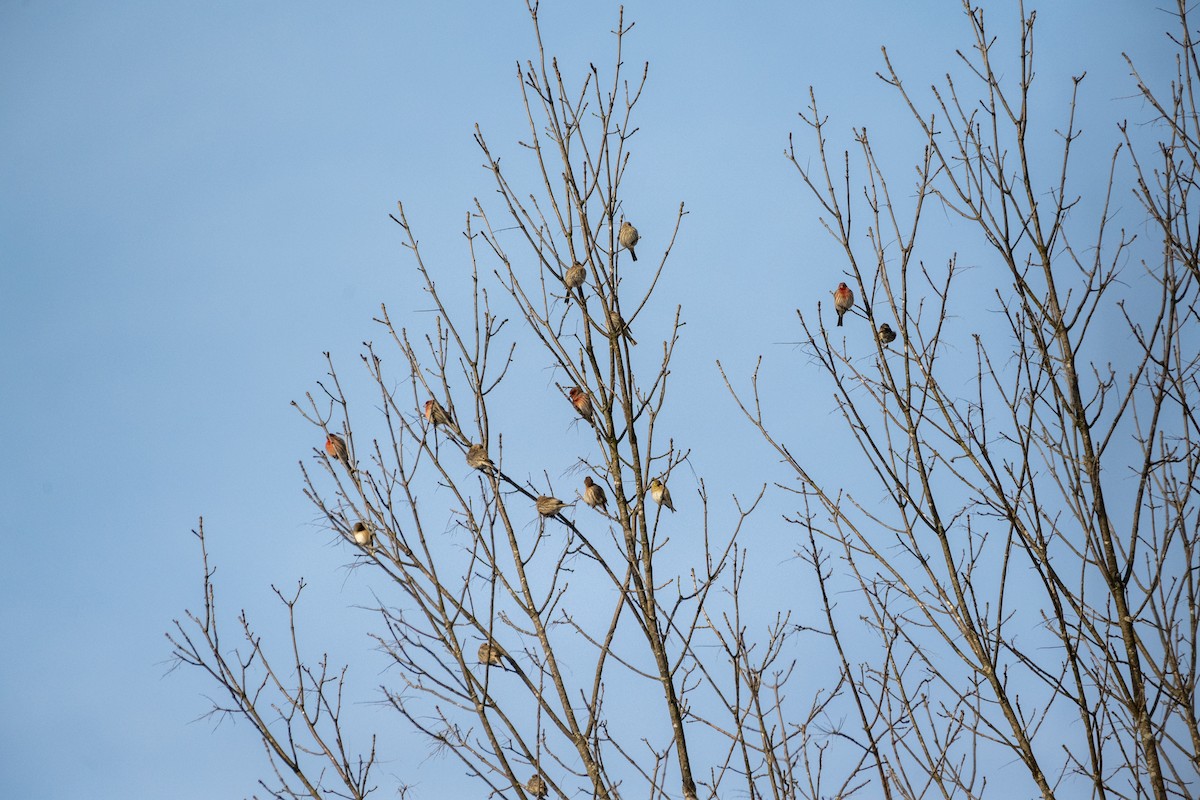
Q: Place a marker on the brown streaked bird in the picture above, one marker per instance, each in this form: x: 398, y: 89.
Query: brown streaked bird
x: 575, y: 277
x: 593, y: 494
x: 477, y: 457
x: 335, y: 446
x: 549, y: 506
x: 362, y: 534
x: 435, y: 414
x: 628, y: 237
x: 661, y: 494
x: 617, y: 327
x: 537, y: 787
x: 885, y: 334
x: 843, y: 301
x: 582, y: 403
x: 491, y: 654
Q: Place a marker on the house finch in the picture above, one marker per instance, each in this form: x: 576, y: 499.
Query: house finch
x: 575, y: 277
x: 435, y: 414
x: 582, y: 403
x: 335, y: 446
x: 593, y: 494
x: 843, y: 300
x: 661, y: 494
x: 362, y: 534
x: 536, y: 787
x: 628, y: 237
x: 886, y: 335
x: 492, y: 654
x: 477, y: 457
x: 549, y: 506
x: 617, y: 327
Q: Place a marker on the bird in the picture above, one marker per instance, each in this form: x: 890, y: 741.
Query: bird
x: 593, y: 494
x: 575, y: 277
x: 491, y: 654
x: 843, y: 301
x: 362, y: 534
x: 582, y: 403
x: 549, y: 506
x: 335, y: 446
x: 661, y: 494
x: 617, y: 327
x: 435, y: 414
x: 536, y: 787
x: 885, y: 334
x: 477, y: 457
x: 628, y: 237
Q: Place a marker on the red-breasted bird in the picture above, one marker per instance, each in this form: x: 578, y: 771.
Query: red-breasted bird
x: 335, y: 446
x: 661, y: 494
x: 537, y: 787
x: 582, y: 403
x: 593, y: 494
x: 628, y: 237
x: 843, y: 300
x: 549, y: 506
x: 477, y: 457
x: 885, y: 334
x: 435, y: 414
x: 491, y: 654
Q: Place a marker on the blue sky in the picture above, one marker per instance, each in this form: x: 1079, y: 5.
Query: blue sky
x: 193, y: 207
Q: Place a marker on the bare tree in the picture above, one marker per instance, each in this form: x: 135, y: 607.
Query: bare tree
x: 1023, y: 544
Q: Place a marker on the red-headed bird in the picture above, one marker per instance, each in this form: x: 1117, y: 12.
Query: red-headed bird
x: 843, y: 300
x: 335, y: 446
x: 435, y: 414
x: 582, y: 403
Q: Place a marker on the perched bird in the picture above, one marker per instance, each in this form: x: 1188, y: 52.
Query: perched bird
x: 843, y: 300
x: 617, y: 327
x: 335, y: 446
x: 536, y: 787
x: 582, y: 403
x: 593, y: 494
x: 477, y: 457
x: 491, y: 654
x: 575, y: 277
x: 885, y: 334
x: 628, y: 237
x: 362, y: 534
x: 661, y: 494
x: 435, y: 414
x: 549, y: 506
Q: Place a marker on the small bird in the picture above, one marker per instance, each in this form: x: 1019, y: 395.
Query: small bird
x: 628, y: 237
x: 435, y: 414
x: 536, y: 787
x: 362, y: 534
x: 661, y: 494
x: 582, y: 403
x: 617, y: 327
x: 843, y: 301
x: 549, y: 506
x: 335, y: 446
x: 886, y: 335
x: 491, y: 654
x: 477, y: 457
x: 575, y: 277
x: 593, y: 494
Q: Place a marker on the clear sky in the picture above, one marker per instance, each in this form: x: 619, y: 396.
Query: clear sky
x: 193, y: 206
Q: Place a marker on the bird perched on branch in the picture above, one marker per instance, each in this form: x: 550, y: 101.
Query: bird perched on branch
x: 491, y: 654
x: 362, y: 534
x: 435, y: 414
x: 582, y: 403
x: 617, y: 327
x: 536, y: 787
x: 593, y: 494
x: 549, y: 506
x: 628, y: 237
x: 574, y: 278
x: 843, y: 300
x: 477, y: 457
x: 335, y: 446
x: 661, y: 494
x: 885, y: 334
